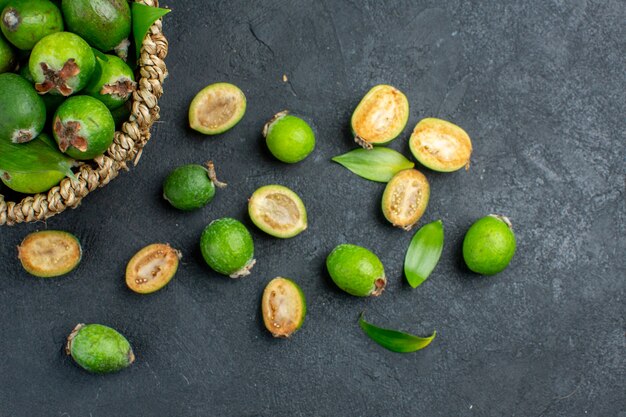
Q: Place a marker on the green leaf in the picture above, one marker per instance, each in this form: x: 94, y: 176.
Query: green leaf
x: 394, y: 340
x: 102, y: 56
x: 143, y: 17
x: 423, y: 253
x: 38, y: 155
x: 378, y: 164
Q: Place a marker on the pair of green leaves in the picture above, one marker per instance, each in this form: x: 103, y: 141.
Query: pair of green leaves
x: 377, y: 164
x: 394, y: 340
x: 143, y: 17
x: 38, y: 155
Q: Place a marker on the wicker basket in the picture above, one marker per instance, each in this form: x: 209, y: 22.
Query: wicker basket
x: 127, y: 145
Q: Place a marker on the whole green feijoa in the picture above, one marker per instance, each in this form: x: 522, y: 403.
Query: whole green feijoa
x: 289, y: 138
x: 99, y: 349
x: 26, y: 22
x: 61, y: 63
x: 356, y: 270
x: 105, y: 24
x: 191, y: 186
x: 7, y: 56
x: 83, y: 127
x: 489, y: 245
x: 113, y: 82
x: 22, y: 111
x: 227, y: 247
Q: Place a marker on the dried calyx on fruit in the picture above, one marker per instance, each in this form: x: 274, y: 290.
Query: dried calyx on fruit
x: 405, y: 198
x: 380, y: 116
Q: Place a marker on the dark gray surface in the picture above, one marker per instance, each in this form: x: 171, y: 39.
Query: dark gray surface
x: 539, y: 86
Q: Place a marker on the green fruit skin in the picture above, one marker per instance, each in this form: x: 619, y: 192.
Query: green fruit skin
x: 489, y: 246
x: 7, y: 56
x: 97, y: 125
x: 355, y: 269
x: 109, y: 72
x: 55, y: 50
x: 100, y: 349
x: 189, y: 187
x: 290, y: 139
x: 51, y: 102
x: 21, y: 108
x: 227, y: 246
x: 102, y: 23
x: 26, y: 22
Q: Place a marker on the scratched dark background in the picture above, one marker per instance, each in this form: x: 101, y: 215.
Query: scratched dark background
x: 539, y: 86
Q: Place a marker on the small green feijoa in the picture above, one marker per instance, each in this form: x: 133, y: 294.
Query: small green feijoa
x: 277, y: 211
x: 61, y: 64
x: 380, y: 116
x: 423, y: 253
x: 191, y: 186
x: 99, y: 349
x: 489, y: 245
x: 356, y: 270
x: 49, y: 253
x: 105, y: 24
x: 217, y: 108
x: 83, y: 127
x: 7, y: 56
x: 22, y: 111
x: 289, y: 138
x: 113, y: 82
x: 378, y: 164
x: 394, y: 340
x: 227, y: 247
x: 26, y: 22
x: 283, y: 307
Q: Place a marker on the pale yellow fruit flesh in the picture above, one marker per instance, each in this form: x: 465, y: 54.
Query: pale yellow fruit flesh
x: 283, y: 307
x: 405, y: 198
x: 381, y: 115
x: 152, y: 268
x: 441, y: 145
x: 49, y: 253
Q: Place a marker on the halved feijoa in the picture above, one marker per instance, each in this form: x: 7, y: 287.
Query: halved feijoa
x: 405, y: 198
x: 217, y: 108
x: 356, y: 270
x: 152, y: 268
x: 440, y: 145
x: 99, y: 349
x: 277, y: 211
x: 380, y: 116
x: 283, y: 307
x: 227, y: 247
x: 49, y: 253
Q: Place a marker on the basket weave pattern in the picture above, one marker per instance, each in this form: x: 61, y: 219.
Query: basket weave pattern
x: 127, y: 145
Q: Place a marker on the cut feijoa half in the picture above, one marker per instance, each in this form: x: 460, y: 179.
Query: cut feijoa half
x: 49, y: 253
x: 440, y: 145
x: 217, y: 108
x: 380, y: 116
x: 283, y: 307
x: 152, y: 268
x: 277, y: 211
x: 405, y: 198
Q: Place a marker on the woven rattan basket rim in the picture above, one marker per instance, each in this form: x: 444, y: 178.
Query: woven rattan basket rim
x: 127, y: 145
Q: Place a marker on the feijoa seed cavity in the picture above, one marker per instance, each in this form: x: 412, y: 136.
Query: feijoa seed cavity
x: 217, y: 108
x: 440, y: 145
x: 49, y: 253
x: 152, y: 268
x: 380, y: 116
x: 277, y: 211
x: 405, y: 198
x: 283, y: 307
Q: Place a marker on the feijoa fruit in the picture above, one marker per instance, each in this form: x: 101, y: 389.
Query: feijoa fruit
x: 405, y: 198
x: 7, y: 56
x: 191, y: 186
x: 99, y: 349
x: 489, y: 245
x: 380, y: 116
x: 22, y: 111
x: 289, y: 138
x: 283, y: 307
x: 152, y: 268
x: 227, y: 247
x: 113, y: 82
x: 49, y: 253
x: 356, y: 270
x: 26, y: 22
x: 277, y: 211
x: 440, y: 145
x: 217, y: 108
